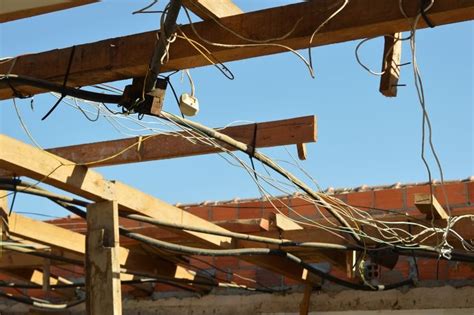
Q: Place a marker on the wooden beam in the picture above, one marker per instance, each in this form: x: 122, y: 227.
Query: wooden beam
x: 301, y: 148
x: 103, y: 289
x: 159, y: 147
x: 119, y: 59
x: 14, y: 9
x: 305, y: 302
x: 430, y: 207
x: 283, y: 223
x: 74, y: 243
x: 392, y: 56
x: 64, y: 174
x: 212, y: 9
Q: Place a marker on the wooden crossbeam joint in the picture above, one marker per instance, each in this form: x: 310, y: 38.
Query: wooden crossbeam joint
x: 430, y: 206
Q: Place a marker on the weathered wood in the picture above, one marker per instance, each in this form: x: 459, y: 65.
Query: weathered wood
x: 283, y: 223
x: 208, y: 9
x: 392, y: 56
x: 72, y: 245
x: 301, y: 148
x: 64, y: 174
x: 12, y: 11
x: 305, y: 302
x: 103, y: 290
x: 118, y: 58
x: 159, y: 147
x: 430, y: 206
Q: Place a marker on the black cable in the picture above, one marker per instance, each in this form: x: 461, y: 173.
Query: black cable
x: 258, y: 252
x: 58, y: 88
x: 63, y: 94
x: 252, y: 153
x: 424, y: 4
x: 15, y: 191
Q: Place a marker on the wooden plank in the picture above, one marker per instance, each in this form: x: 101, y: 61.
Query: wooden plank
x: 74, y: 243
x: 392, y: 56
x: 64, y: 174
x: 305, y: 302
x: 209, y: 9
x: 14, y: 9
x: 119, y: 59
x: 283, y: 223
x: 430, y: 206
x: 159, y: 147
x: 103, y: 289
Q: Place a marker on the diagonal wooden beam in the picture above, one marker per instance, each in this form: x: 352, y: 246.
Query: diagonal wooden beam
x: 80, y: 180
x: 212, y: 9
x: 118, y: 58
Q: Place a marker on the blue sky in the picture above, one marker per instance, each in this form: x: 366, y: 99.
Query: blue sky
x: 364, y: 137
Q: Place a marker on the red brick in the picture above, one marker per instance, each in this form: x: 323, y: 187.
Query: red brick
x: 342, y: 197
x: 470, y: 191
x: 291, y: 282
x: 389, y: 199
x: 226, y: 262
x: 281, y: 204
x: 364, y: 199
x: 304, y: 208
x: 221, y: 213
x: 457, y: 194
x: 246, y: 265
x: 245, y: 277
x: 411, y: 191
x: 268, y: 279
x: 161, y: 287
x: 250, y: 210
x: 200, y: 211
x: 202, y: 262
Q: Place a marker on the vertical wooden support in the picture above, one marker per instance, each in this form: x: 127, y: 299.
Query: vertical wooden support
x: 304, y: 305
x: 102, y: 263
x: 392, y: 55
x: 46, y: 275
x: 301, y: 147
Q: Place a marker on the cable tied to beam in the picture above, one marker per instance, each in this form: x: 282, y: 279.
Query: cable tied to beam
x: 63, y: 92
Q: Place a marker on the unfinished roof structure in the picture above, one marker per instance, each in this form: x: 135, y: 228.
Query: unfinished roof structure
x: 125, y: 251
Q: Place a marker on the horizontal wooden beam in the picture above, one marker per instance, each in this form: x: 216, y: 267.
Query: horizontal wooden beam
x: 73, y: 242
x: 127, y: 57
x: 209, y: 9
x: 167, y: 146
x: 15, y: 10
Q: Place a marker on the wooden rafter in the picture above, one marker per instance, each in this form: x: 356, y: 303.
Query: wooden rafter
x: 167, y: 146
x: 74, y: 243
x: 64, y: 174
x: 118, y: 58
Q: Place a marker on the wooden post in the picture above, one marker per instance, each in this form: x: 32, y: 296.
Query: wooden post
x: 102, y: 265
x: 392, y: 55
x: 304, y: 305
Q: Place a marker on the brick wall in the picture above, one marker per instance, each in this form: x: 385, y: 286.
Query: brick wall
x: 396, y: 197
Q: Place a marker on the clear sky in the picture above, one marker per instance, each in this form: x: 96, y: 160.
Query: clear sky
x: 364, y: 137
